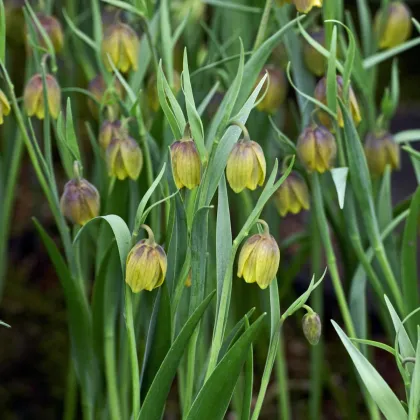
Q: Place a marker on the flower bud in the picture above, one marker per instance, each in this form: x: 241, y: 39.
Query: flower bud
x: 303, y: 6
x: 124, y: 158
x: 4, y: 106
x: 106, y: 96
x: 279, y: 56
x: 120, y: 44
x: 152, y: 93
x: 259, y: 260
x: 146, y: 265
x: 276, y: 92
x: 316, y: 148
x: 321, y: 95
x: 314, y: 60
x: 186, y: 163
x: 109, y: 130
x: 381, y: 150
x: 52, y: 28
x: 246, y: 166
x: 292, y: 195
x: 80, y: 201
x: 188, y: 281
x: 394, y: 26
x: 312, y: 327
x: 33, y: 96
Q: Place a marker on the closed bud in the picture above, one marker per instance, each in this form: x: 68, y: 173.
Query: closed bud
x: 314, y: 60
x: 316, y: 148
x: 124, y: 158
x: 381, y: 150
x: 80, y: 201
x: 4, y: 106
x: 186, y: 163
x: 393, y: 26
x: 292, y: 195
x: 259, y: 259
x: 152, y: 93
x: 188, y: 281
x: 321, y: 95
x: 312, y: 327
x: 146, y: 265
x: 33, y: 96
x: 106, y: 96
x: 276, y: 92
x: 246, y: 166
x: 120, y: 44
x: 52, y: 28
x: 109, y: 130
x: 303, y: 6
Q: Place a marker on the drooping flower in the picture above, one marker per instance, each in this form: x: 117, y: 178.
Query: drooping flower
x: 292, y: 195
x: 186, y: 163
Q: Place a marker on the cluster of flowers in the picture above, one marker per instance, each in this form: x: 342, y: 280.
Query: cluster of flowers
x: 246, y: 166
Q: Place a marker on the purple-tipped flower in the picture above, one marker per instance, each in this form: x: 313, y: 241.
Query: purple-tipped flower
x: 292, y: 195
x: 109, y: 130
x: 276, y: 92
x: 314, y: 60
x: 316, y: 148
x: 381, y: 150
x: 33, y: 96
x: 52, y: 27
x: 80, y: 201
x: 120, y: 44
x: 124, y: 158
x: 106, y: 96
x: 321, y: 95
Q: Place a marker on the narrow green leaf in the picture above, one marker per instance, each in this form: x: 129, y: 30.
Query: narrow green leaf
x: 126, y: 6
x: 365, y: 20
x: 331, y: 73
x: 409, y: 258
x: 71, y: 139
x: 223, y: 237
x: 376, y: 344
x: 407, y: 136
x: 380, y: 391
x: 166, y: 41
x: 214, y: 397
x: 248, y: 382
x: 158, y: 340
x: 5, y: 325
x: 120, y: 231
x: 339, y: 176
x: 414, y: 401
x: 405, y: 345
x: 233, y: 6
x: 154, y: 403
x: 378, y: 58
x: 234, y: 334
x: 86, y: 39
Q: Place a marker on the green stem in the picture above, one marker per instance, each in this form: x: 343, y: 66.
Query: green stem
x: 110, y: 372
x: 135, y: 378
x: 329, y: 250
x: 263, y: 23
x: 283, y: 388
x: 317, y: 352
x: 190, y: 372
x: 70, y: 399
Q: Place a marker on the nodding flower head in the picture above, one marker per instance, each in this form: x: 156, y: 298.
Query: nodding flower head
x: 303, y: 6
x: 80, y: 201
x: 4, y: 106
x: 393, y: 25
x: 381, y: 150
x: 316, y: 148
x: 146, y: 265
x: 120, y: 44
x: 276, y: 92
x: 33, y: 96
x: 292, y: 195
x: 314, y: 60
